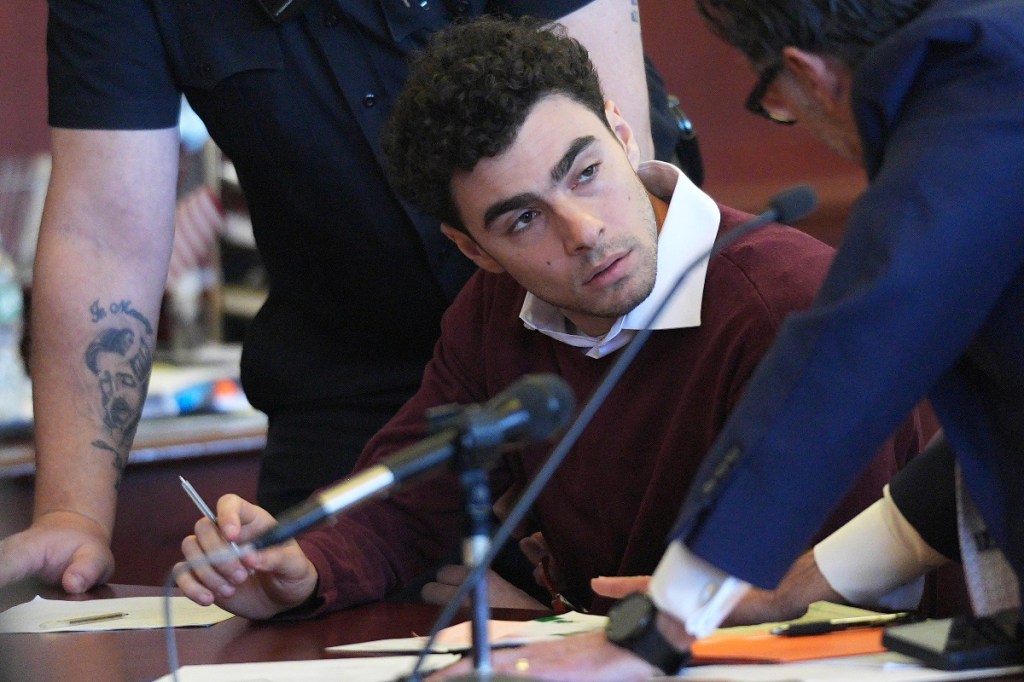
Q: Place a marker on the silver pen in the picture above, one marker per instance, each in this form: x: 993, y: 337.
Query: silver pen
x: 205, y: 509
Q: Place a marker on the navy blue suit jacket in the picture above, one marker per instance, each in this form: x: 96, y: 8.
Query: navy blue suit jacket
x: 925, y: 297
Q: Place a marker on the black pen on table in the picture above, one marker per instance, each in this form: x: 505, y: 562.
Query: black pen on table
x: 821, y: 627
x: 205, y: 509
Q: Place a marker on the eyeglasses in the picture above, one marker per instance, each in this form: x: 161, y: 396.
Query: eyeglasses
x: 764, y: 81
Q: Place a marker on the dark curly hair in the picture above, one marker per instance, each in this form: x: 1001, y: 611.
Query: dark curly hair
x: 467, y: 96
x: 845, y: 29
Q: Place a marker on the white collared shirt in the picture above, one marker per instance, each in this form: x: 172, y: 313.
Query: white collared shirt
x: 689, y: 230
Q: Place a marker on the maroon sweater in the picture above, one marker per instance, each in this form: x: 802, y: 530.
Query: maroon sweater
x: 610, y: 506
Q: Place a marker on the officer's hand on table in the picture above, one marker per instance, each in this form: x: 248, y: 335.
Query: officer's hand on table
x: 61, y: 548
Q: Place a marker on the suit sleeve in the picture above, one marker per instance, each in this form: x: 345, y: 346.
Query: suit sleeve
x: 930, y: 249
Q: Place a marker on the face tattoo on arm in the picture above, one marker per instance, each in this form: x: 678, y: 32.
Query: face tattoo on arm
x: 120, y: 357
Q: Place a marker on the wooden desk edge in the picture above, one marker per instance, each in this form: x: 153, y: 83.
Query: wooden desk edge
x: 161, y: 440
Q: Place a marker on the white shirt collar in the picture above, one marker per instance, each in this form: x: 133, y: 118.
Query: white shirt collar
x: 689, y: 230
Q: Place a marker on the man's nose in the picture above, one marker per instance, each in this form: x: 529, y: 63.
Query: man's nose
x: 580, y: 229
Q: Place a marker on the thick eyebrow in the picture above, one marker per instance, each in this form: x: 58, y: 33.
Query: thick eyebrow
x: 505, y: 205
x: 565, y: 163
x: 560, y: 170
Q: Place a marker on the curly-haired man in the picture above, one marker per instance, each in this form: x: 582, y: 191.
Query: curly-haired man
x: 502, y: 133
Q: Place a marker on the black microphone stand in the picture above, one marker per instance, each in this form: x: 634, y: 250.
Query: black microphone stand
x: 473, y: 459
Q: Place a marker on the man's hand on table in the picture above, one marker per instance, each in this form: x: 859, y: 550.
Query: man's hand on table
x: 582, y: 657
x: 61, y: 548
x: 501, y: 594
x: 802, y: 585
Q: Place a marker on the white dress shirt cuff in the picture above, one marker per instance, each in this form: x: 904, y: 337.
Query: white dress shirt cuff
x: 877, y: 558
x: 693, y: 591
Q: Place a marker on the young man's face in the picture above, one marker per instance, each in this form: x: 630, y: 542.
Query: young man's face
x: 564, y: 213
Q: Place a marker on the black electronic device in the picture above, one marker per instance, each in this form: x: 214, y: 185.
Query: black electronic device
x: 632, y: 625
x: 960, y: 643
x: 687, y: 149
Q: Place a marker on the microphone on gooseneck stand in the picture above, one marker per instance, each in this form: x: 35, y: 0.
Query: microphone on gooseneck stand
x: 529, y: 411
x: 787, y: 207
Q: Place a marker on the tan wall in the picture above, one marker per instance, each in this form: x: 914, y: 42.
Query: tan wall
x: 747, y: 159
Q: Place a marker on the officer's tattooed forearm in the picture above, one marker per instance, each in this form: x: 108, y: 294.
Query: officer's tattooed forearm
x: 120, y: 357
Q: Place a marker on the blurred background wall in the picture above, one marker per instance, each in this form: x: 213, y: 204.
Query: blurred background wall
x: 747, y: 160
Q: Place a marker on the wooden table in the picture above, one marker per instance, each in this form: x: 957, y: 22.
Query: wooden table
x: 140, y: 656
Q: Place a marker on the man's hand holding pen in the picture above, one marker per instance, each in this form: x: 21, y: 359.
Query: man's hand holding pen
x: 256, y: 584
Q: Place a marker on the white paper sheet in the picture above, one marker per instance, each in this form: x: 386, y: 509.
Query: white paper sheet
x: 139, y: 613
x: 368, y: 669
x: 458, y: 638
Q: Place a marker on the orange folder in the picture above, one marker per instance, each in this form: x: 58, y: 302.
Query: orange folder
x: 763, y: 647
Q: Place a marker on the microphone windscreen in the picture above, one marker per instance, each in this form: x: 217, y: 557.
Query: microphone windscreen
x: 545, y: 402
x: 793, y: 204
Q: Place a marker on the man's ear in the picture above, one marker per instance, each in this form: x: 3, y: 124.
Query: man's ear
x: 825, y: 78
x: 468, y: 246
x: 622, y: 131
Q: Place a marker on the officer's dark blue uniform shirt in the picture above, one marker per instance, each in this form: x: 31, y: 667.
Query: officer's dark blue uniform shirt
x: 358, y: 280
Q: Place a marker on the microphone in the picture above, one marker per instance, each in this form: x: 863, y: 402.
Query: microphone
x: 528, y: 411
x: 792, y: 204
x: 786, y: 207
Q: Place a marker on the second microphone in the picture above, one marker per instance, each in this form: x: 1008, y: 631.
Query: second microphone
x: 529, y: 411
